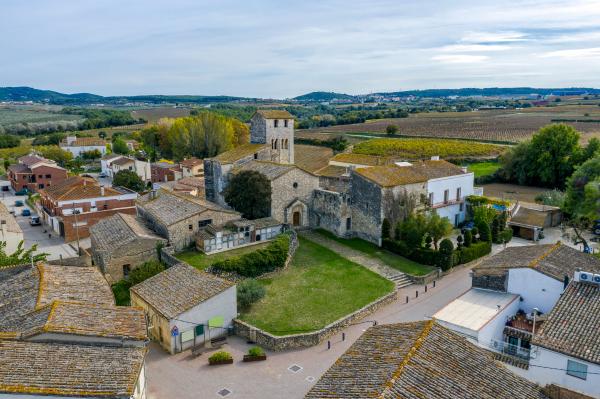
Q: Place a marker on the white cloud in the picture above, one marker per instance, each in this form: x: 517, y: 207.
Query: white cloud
x: 460, y: 58
x: 593, y: 52
x: 467, y: 48
x: 493, y: 37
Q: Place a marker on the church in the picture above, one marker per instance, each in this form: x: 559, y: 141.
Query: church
x: 347, y: 194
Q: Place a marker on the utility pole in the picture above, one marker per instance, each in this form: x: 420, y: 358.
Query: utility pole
x: 76, y: 212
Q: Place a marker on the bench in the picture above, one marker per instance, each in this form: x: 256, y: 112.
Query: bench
x: 218, y: 342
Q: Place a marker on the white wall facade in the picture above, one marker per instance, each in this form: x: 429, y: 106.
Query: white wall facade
x: 549, y: 367
x: 12, y: 240
x: 494, y: 329
x: 223, y: 304
x: 452, y: 207
x: 76, y: 151
x: 536, y: 289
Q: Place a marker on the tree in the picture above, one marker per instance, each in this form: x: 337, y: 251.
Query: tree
x: 249, y: 192
x: 437, y: 227
x: 119, y: 146
x: 6, y: 164
x: 20, y: 256
x: 582, y: 199
x: 92, y: 154
x: 446, y: 250
x: 474, y: 233
x: 413, y: 230
x: 459, y: 241
x: 385, y: 229
x: 551, y: 197
x: 55, y: 153
x: 248, y: 292
x: 128, y: 179
x: 483, y: 213
x: 391, y: 130
x: 485, y: 233
x: 468, y: 238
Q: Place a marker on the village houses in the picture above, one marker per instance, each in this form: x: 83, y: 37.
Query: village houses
x: 111, y: 164
x: 78, y: 145
x: 34, y: 173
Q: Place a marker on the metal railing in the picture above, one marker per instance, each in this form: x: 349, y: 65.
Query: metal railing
x: 512, y: 350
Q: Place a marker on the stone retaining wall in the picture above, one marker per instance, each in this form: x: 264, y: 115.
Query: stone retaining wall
x: 426, y: 279
x: 167, y: 256
x: 305, y: 340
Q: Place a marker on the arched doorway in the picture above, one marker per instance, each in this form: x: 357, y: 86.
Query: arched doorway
x: 296, y: 218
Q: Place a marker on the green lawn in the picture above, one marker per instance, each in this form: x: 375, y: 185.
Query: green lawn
x: 483, y: 168
x: 318, y: 288
x: 202, y: 261
x: 396, y: 261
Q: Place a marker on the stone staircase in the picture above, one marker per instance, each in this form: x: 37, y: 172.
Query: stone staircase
x: 397, y: 277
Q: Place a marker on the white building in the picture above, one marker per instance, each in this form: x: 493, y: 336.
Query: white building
x: 10, y: 231
x: 186, y: 307
x: 114, y: 163
x: 78, y: 145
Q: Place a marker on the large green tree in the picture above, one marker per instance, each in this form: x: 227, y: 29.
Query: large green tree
x: 20, y: 256
x: 437, y: 227
x: 249, y: 192
x: 128, y: 179
x: 583, y: 191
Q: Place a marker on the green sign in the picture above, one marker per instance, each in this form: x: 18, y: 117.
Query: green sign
x: 216, y: 321
x: 200, y: 329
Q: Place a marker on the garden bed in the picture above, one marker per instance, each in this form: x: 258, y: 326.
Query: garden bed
x: 201, y: 261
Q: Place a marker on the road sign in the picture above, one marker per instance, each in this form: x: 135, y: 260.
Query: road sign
x: 174, y: 331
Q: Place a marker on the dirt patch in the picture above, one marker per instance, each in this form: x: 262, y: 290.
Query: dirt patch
x: 512, y: 192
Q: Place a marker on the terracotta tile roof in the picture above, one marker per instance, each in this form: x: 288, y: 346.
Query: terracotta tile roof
x: 555, y: 260
x: 275, y: 114
x: 271, y: 170
x: 191, y: 162
x: 19, y: 286
x: 242, y: 151
x: 31, y: 159
x: 419, y: 360
x: 71, y: 283
x: 84, y: 142
x: 179, y: 288
x: 69, y: 369
x: 392, y: 176
x: 19, y: 168
x: 108, y: 157
x: 437, y: 169
x: 529, y: 217
x: 10, y: 223
x: 77, y: 187
x: 333, y: 171
x: 310, y: 157
x: 122, y: 161
x: 573, y: 324
x: 119, y: 230
x: 197, y: 182
x: 362, y: 159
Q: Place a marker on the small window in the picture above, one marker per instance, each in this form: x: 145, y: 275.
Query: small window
x: 348, y: 223
x: 255, y: 155
x: 276, y: 123
x: 430, y: 199
x: 191, y: 227
x: 295, y: 185
x: 458, y: 194
x: 576, y: 369
x: 446, y: 196
x: 285, y: 123
x: 40, y: 186
x: 461, y: 207
x: 48, y: 176
x: 204, y: 223
x: 40, y: 176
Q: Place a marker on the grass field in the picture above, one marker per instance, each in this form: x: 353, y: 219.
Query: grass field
x: 425, y: 148
x: 393, y: 260
x: 318, y: 288
x: 483, y: 168
x: 202, y: 261
x: 502, y: 126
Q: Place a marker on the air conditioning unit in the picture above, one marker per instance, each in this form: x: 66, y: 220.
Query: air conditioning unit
x: 584, y: 276
x: 596, y: 279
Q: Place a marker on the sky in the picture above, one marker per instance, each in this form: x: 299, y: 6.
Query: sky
x: 281, y: 49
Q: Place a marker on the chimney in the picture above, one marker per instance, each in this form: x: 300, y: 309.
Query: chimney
x: 102, y: 191
x: 84, y: 182
x: 435, y: 158
x: 464, y: 169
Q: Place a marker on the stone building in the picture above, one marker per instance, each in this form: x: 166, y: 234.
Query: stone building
x: 120, y: 243
x: 10, y: 231
x: 179, y: 217
x: 275, y: 128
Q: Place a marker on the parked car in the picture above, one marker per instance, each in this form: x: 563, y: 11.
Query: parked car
x: 26, y: 212
x: 102, y: 175
x: 35, y: 221
x: 596, y: 227
x: 5, y: 188
x: 19, y: 203
x: 24, y: 191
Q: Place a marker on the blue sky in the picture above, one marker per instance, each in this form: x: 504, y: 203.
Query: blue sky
x: 286, y: 48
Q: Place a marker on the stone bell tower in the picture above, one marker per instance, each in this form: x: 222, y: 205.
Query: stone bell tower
x: 275, y: 128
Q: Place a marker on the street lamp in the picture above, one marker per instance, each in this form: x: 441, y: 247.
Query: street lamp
x: 76, y: 212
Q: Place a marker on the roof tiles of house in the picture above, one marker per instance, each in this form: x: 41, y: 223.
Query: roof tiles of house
x: 31, y: 159
x: 275, y: 114
x: 311, y: 157
x: 19, y: 286
x: 70, y: 283
x: 77, y: 187
x: 435, y: 169
x: 554, y: 260
x: 191, y: 162
x: 8, y: 221
x: 333, y: 171
x: 84, y: 142
x: 572, y: 325
x: 179, y: 288
x: 239, y: 152
x: 362, y: 159
x: 118, y: 230
x: 392, y: 176
x: 270, y: 170
x: 69, y: 369
x: 529, y: 217
x: 419, y: 360
x: 19, y: 168
x: 122, y: 161
x: 197, y: 182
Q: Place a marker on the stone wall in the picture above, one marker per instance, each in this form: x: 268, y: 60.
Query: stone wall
x: 367, y: 216
x: 496, y: 281
x: 297, y: 341
x: 181, y: 235
x: 167, y: 256
x: 284, y: 193
x: 329, y: 210
x: 426, y: 279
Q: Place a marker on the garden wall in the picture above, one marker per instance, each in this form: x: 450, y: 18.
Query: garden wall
x: 167, y: 256
x: 426, y: 279
x: 305, y: 340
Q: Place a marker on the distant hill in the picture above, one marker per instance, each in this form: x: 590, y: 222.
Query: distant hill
x: 323, y: 96
x: 493, y: 91
x: 53, y: 97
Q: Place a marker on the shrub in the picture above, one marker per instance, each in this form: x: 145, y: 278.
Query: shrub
x: 506, y: 235
x: 474, y: 233
x: 485, y: 233
x: 248, y: 292
x: 428, y: 241
x: 446, y: 246
x: 264, y: 260
x: 476, y: 250
x: 220, y: 356
x: 391, y: 130
x: 398, y: 247
x: 459, y: 241
x: 256, y: 351
x: 552, y: 198
x: 468, y: 238
x: 144, y: 272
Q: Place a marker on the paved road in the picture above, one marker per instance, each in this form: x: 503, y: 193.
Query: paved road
x: 180, y: 376
x: 54, y: 245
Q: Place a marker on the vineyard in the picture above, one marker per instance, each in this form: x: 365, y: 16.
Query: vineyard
x: 498, y: 126
x: 425, y: 148
x: 10, y: 115
x: 154, y: 114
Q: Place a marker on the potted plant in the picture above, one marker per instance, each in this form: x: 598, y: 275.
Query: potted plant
x: 220, y: 357
x: 255, y: 354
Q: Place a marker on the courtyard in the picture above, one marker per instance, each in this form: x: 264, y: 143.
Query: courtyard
x: 201, y: 261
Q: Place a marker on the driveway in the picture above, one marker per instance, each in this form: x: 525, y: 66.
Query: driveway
x: 180, y: 376
x: 53, y: 244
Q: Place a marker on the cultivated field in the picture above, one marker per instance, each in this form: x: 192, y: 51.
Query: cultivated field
x: 502, y: 126
x: 13, y: 114
x: 411, y: 148
x: 154, y: 114
x: 512, y: 192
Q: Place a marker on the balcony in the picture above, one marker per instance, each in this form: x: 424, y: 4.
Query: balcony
x: 512, y: 350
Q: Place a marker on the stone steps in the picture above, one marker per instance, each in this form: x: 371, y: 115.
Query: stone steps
x: 401, y: 280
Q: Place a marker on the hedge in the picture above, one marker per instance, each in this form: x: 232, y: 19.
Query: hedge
x: 261, y: 261
x: 474, y: 251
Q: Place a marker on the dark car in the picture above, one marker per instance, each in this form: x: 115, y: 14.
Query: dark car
x: 19, y: 203
x: 596, y: 227
x: 26, y: 212
x: 24, y: 191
